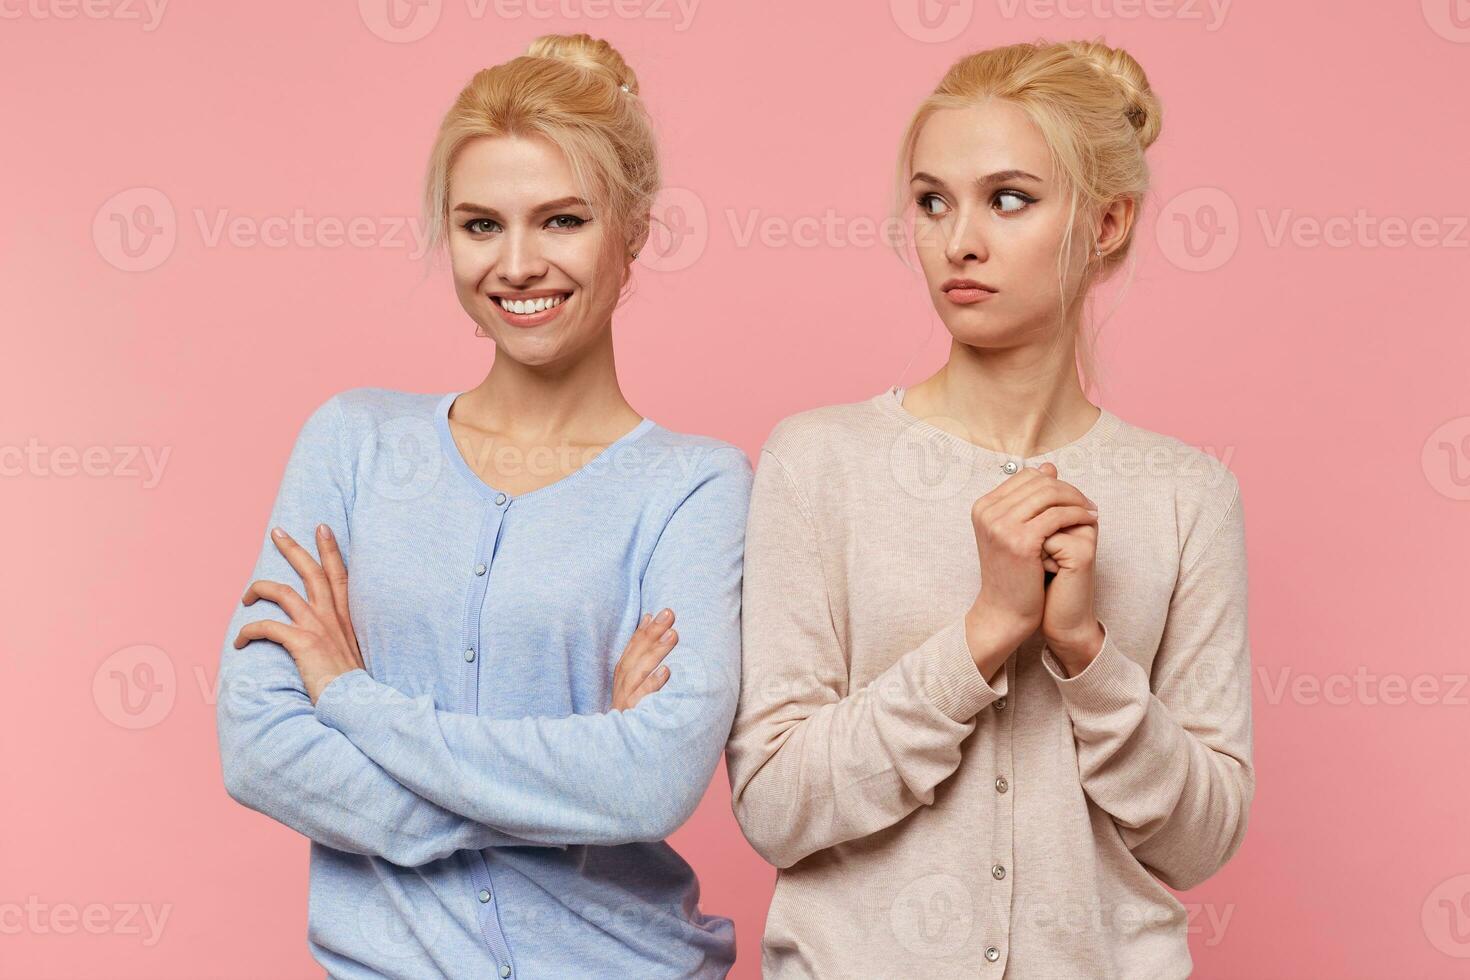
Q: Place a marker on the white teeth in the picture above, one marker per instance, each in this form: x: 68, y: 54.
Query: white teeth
x: 524, y: 306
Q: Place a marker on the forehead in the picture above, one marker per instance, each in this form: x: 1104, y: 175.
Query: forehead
x: 511, y: 171
x: 961, y: 143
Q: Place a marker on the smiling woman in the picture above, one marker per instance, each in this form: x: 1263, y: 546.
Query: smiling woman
x: 489, y: 735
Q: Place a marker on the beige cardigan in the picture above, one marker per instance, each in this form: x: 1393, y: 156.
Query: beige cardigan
x: 927, y: 823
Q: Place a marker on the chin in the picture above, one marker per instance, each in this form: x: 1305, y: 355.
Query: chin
x: 532, y: 352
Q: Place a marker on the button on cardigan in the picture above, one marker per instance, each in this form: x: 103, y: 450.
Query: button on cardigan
x: 475, y: 807
x: 928, y: 823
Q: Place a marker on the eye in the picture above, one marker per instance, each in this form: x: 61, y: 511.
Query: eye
x: 469, y: 226
x: 566, y: 222
x: 930, y: 203
x: 1024, y: 200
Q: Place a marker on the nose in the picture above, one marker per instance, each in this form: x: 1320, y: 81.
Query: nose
x: 520, y: 261
x: 965, y: 239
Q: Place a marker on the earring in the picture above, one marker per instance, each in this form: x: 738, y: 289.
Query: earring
x: 635, y: 255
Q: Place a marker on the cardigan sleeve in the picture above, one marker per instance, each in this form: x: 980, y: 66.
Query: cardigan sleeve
x: 811, y: 762
x: 276, y: 757
x: 1169, y: 758
x: 609, y: 778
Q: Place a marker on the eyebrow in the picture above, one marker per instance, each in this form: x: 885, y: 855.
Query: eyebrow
x: 999, y: 177
x: 573, y: 201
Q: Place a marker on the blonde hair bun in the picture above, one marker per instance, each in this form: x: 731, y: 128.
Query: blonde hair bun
x: 586, y: 51
x: 1140, y: 104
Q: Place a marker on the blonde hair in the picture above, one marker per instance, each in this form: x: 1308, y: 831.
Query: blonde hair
x: 576, y: 91
x: 1097, y: 114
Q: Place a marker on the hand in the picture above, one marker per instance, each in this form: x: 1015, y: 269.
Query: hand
x: 638, y: 671
x: 1012, y: 523
x: 1068, y: 620
x: 319, y: 637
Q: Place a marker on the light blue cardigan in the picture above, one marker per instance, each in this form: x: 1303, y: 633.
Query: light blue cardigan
x: 475, y: 807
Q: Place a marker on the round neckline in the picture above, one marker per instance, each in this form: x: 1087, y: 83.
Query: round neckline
x: 483, y: 489
x: 890, y: 402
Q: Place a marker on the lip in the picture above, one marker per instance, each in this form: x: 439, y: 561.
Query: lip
x: 530, y: 319
x: 965, y: 292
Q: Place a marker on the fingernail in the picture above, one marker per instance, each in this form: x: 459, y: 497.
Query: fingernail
x: 277, y: 533
x: 1092, y: 512
x: 644, y: 621
x: 324, y: 531
x: 668, y: 635
x: 663, y: 616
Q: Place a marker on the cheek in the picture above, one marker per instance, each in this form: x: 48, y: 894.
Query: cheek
x: 929, y: 247
x: 468, y: 263
x: 576, y: 256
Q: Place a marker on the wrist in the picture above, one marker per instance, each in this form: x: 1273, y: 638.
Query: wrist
x: 1076, y: 650
x: 992, y: 638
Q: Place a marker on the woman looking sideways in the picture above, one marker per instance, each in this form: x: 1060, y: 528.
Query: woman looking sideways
x: 486, y: 782
x: 986, y: 717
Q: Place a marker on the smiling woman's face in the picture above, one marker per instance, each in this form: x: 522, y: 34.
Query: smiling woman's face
x: 527, y: 252
x: 989, y: 223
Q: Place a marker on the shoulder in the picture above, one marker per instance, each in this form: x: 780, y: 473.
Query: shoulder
x: 350, y: 419
x: 1198, y: 484
x: 687, y: 459
x: 814, y: 431
x: 369, y: 408
x: 830, y: 451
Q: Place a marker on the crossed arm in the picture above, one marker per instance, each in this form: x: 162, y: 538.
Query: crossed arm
x: 372, y: 771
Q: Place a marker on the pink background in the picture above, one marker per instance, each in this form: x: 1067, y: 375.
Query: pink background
x: 1328, y: 369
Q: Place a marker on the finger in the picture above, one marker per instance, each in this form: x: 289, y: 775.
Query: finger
x: 650, y: 628
x: 284, y: 596
x: 1044, y: 493
x: 649, y: 653
x: 636, y: 665
x: 1053, y: 519
x: 637, y: 644
x: 273, y: 630
x: 660, y: 622
x: 335, y: 570
x: 652, y: 682
x: 317, y: 591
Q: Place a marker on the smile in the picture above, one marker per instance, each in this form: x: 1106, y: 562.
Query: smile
x: 529, y: 310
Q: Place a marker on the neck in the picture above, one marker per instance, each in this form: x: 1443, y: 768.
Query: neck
x: 1022, y: 401
x: 574, y: 400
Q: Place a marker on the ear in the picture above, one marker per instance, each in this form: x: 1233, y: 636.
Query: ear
x: 1116, y: 223
x: 641, y: 239
x: 635, y: 245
